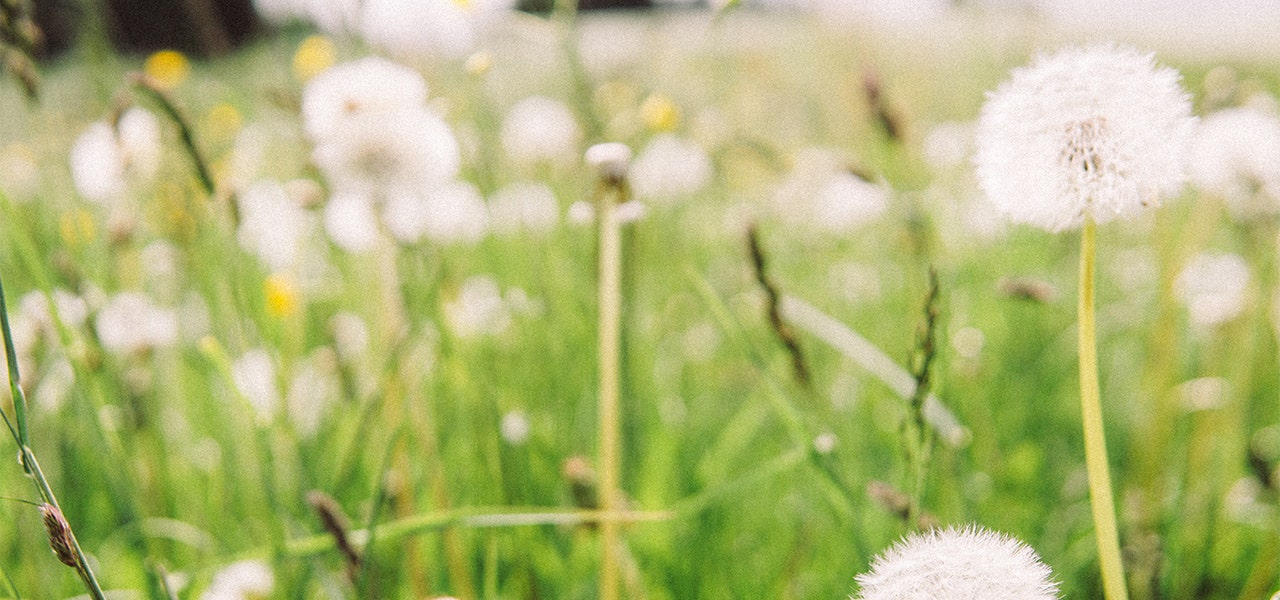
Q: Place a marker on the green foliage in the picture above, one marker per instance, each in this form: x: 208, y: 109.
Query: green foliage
x: 162, y: 465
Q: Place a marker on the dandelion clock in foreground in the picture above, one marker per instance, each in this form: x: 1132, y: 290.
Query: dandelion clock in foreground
x: 952, y: 564
x: 1086, y: 133
x: 1077, y: 138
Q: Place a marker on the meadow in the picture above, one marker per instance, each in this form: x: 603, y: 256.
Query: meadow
x: 218, y: 393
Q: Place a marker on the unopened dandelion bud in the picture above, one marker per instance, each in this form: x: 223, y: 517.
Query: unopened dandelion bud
x: 59, y: 535
x: 610, y: 159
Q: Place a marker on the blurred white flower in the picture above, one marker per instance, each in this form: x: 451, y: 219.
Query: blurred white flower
x: 822, y: 193
x: 244, y: 580
x: 313, y: 390
x: 105, y: 158
x: 524, y: 206
x: 373, y: 151
x: 1095, y: 132
x: 947, y: 564
x: 351, y: 222
x: 350, y: 335
x: 478, y: 309
x: 334, y: 17
x: 367, y: 85
x: 72, y: 309
x: 541, y: 130
x: 254, y: 374
x: 611, y: 160
x: 1213, y: 287
x: 949, y: 145
x: 670, y: 167
x: 273, y: 226
x: 515, y: 427
x: 130, y: 322
x: 423, y: 29
x: 453, y: 213
x: 1236, y: 154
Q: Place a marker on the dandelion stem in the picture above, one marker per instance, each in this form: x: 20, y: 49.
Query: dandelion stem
x: 610, y: 298
x: 1095, y: 443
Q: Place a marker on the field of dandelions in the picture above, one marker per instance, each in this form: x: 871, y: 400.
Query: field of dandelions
x: 323, y: 318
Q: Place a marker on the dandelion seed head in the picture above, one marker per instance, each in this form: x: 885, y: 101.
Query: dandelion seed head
x: 1213, y: 287
x: 540, y: 130
x: 1235, y: 155
x: 130, y: 322
x: 244, y: 580
x: 374, y: 151
x: 515, y: 427
x: 525, y: 206
x: 1095, y: 132
x: 97, y: 164
x: 370, y: 84
x: 947, y: 564
x: 351, y: 222
x: 350, y: 335
x: 611, y: 159
x: 273, y: 226
x: 670, y: 167
x: 423, y: 29
x: 254, y: 375
x: 454, y: 213
x: 478, y: 309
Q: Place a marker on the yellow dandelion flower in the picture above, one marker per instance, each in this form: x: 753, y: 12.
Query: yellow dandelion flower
x: 169, y: 68
x: 314, y: 55
x: 659, y: 113
x: 76, y: 227
x: 223, y: 121
x: 281, y: 294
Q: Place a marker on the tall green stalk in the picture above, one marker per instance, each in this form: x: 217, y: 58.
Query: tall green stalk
x: 28, y: 457
x: 610, y: 299
x: 1095, y: 442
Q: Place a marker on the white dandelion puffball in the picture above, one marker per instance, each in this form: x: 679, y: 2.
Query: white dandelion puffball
x: 454, y: 213
x: 1095, y: 132
x: 254, y: 375
x: 1213, y: 288
x: 953, y: 564
x: 373, y: 151
x: 524, y: 206
x: 540, y: 129
x: 351, y: 222
x: 422, y: 29
x: 370, y: 84
x: 479, y: 309
x: 130, y: 322
x: 106, y: 157
x: 241, y: 581
x: 273, y: 226
x: 670, y: 167
x: 1235, y: 152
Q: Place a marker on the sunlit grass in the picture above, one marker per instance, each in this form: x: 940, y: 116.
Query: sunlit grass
x: 158, y: 458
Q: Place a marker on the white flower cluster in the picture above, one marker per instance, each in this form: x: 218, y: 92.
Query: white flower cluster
x: 822, y: 193
x: 386, y: 154
x: 1094, y: 132
x: 107, y: 156
x: 244, y: 580
x: 946, y: 564
x: 1213, y: 286
x: 1236, y: 156
x: 406, y: 29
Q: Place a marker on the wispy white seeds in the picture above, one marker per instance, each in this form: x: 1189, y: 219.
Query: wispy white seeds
x: 1095, y: 132
x: 947, y: 564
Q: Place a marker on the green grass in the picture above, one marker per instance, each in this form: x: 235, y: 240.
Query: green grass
x: 157, y: 460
